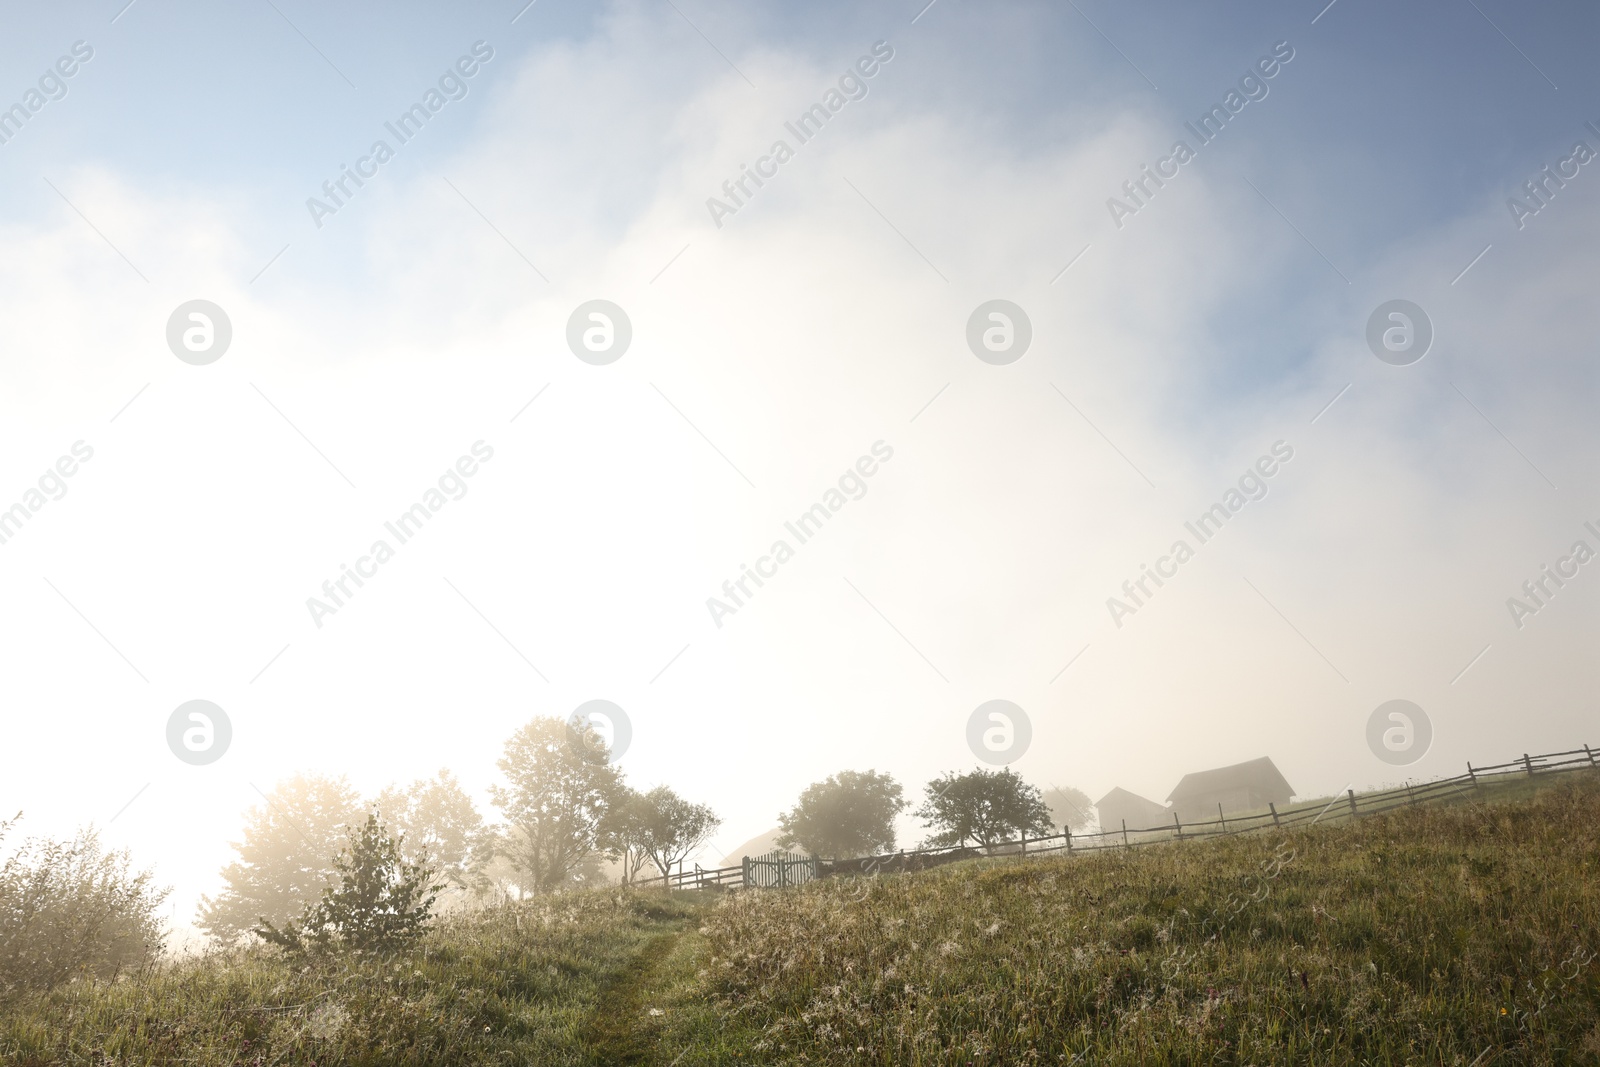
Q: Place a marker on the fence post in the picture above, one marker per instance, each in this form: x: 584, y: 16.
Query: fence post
x: 1528, y: 763
x: 1222, y: 816
x: 1590, y: 754
x: 1274, y: 808
x: 1352, y: 794
x: 1124, y: 833
x: 1177, y: 824
x: 1067, y: 830
x: 744, y: 873
x: 1472, y: 774
x: 1024, y: 842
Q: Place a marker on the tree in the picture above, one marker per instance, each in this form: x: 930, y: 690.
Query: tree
x: 382, y: 901
x: 1069, y: 807
x: 987, y: 807
x: 671, y: 827
x: 286, y: 857
x: 623, y: 832
x: 437, y: 823
x: 848, y: 815
x: 70, y: 910
x: 555, y: 796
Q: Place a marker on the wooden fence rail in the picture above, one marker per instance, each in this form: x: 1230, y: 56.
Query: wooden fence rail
x: 1333, y: 809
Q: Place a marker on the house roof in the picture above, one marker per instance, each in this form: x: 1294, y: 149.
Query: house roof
x: 758, y: 845
x: 1258, y: 774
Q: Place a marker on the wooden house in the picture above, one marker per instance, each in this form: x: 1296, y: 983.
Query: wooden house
x: 1242, y: 787
x: 1120, y: 807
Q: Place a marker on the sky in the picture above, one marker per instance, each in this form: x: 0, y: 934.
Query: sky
x: 782, y: 334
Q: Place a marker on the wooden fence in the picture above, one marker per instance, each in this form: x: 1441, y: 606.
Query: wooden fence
x: 759, y: 872
x: 777, y: 870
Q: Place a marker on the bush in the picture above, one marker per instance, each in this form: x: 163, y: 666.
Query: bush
x: 284, y: 856
x: 382, y: 903
x: 68, y: 910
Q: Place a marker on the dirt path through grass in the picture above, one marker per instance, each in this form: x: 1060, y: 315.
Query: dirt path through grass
x: 656, y: 1010
x: 622, y: 1029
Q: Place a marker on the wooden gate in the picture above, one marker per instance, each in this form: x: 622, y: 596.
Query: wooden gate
x: 778, y: 869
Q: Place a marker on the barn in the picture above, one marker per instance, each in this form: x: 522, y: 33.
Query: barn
x: 1247, y: 786
x: 1120, y: 807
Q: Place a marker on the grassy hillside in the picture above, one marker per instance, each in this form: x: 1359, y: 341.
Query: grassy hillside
x: 1452, y: 935
x: 1456, y: 935
x: 521, y: 984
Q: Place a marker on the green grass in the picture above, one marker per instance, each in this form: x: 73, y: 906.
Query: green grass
x: 517, y: 984
x: 1437, y: 935
x: 1448, y: 935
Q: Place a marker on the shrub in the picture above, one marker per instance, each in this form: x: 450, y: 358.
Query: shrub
x: 69, y: 910
x: 382, y: 901
x: 284, y: 856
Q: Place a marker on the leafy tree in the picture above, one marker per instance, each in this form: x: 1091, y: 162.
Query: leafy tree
x: 671, y: 827
x: 501, y: 877
x: 557, y: 792
x: 848, y: 815
x: 286, y: 857
x: 70, y: 910
x: 438, y: 825
x: 1069, y: 807
x: 623, y: 832
x: 382, y: 901
x: 497, y: 879
x: 591, y: 872
x: 987, y: 807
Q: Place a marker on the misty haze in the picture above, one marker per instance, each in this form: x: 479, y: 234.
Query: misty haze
x: 676, y: 532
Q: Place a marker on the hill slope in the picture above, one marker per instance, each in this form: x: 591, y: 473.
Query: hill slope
x: 1460, y: 934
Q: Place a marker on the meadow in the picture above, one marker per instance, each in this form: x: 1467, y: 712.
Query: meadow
x: 1458, y: 934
